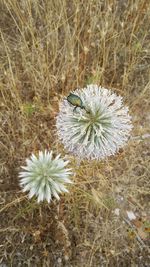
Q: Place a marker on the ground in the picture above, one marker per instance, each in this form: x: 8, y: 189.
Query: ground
x: 47, y: 49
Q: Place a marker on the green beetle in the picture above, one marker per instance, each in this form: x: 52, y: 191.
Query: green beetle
x: 75, y: 101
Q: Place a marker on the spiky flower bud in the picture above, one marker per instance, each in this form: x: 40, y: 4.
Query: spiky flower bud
x: 44, y: 177
x: 99, y: 129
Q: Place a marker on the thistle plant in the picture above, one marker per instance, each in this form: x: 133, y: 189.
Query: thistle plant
x: 97, y: 129
x: 45, y: 177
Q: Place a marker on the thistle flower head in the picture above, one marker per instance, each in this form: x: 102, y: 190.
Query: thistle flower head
x: 97, y: 131
x: 44, y: 177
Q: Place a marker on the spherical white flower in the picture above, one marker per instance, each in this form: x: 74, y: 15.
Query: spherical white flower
x: 97, y: 130
x: 44, y: 177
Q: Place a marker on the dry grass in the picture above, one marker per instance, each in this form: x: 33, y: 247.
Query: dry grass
x: 48, y: 48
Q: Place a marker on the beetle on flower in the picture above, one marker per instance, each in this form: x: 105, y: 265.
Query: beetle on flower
x: 75, y: 101
x: 101, y: 131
